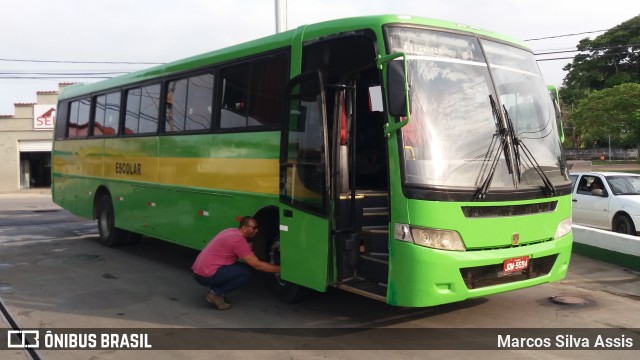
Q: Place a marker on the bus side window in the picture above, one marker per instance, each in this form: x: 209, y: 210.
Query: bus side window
x: 142, y: 109
x: 112, y: 113
x: 252, y: 93
x: 233, y: 109
x: 149, y: 109
x: 375, y: 98
x: 78, y: 125
x: 189, y: 104
x: 268, y: 82
x: 62, y: 118
x: 132, y: 112
x: 99, y: 107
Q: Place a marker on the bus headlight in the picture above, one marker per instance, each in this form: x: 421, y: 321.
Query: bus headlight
x: 563, y: 228
x: 432, y: 238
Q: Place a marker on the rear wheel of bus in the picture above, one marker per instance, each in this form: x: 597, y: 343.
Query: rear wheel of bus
x: 110, y: 235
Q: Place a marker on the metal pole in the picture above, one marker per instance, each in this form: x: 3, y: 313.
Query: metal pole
x: 610, y: 153
x: 281, y: 16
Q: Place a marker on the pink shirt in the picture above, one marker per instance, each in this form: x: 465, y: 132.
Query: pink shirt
x: 224, y: 249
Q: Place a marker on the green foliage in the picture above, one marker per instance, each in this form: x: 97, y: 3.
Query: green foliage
x: 611, y: 112
x: 592, y: 109
x: 610, y: 59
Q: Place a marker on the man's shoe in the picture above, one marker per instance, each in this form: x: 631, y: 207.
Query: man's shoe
x: 217, y: 301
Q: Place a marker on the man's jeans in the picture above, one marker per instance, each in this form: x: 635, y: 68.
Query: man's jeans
x: 227, y: 278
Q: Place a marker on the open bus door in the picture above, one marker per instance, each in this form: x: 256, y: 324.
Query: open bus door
x: 304, y: 187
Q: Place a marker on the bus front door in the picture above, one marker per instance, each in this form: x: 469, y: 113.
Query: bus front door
x: 304, y: 224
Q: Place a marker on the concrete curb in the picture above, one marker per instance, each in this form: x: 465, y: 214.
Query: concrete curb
x: 619, y: 249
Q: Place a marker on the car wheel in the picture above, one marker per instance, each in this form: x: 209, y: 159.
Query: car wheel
x: 623, y: 224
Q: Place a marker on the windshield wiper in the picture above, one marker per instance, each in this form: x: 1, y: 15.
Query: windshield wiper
x: 506, y: 147
x: 550, y: 190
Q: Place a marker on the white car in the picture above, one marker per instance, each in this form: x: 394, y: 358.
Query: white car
x: 607, y: 200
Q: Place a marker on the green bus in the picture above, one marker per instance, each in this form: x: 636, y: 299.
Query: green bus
x: 411, y: 160
x: 555, y: 99
x: 553, y: 92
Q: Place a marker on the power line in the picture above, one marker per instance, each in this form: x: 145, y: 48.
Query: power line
x: 588, y: 50
x: 591, y: 56
x: 566, y: 35
x: 585, y: 32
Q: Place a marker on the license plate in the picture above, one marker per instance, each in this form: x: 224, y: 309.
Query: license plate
x: 515, y: 264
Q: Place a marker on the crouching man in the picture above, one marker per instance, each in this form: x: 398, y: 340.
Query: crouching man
x: 217, y: 268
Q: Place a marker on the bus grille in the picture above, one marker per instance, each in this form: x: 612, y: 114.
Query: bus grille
x: 510, y: 210
x: 483, y: 276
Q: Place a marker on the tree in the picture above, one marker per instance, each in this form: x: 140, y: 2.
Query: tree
x: 610, y: 59
x: 611, y: 112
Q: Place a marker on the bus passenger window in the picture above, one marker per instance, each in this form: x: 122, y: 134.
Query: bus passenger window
x: 268, y: 81
x: 143, y: 107
x: 199, y: 102
x: 79, y: 118
x: 133, y: 112
x: 106, y: 113
x: 189, y: 104
x: 233, y: 110
x: 252, y: 93
x: 112, y: 114
x: 149, y: 109
x: 176, y: 105
x: 73, y: 119
x: 98, y: 115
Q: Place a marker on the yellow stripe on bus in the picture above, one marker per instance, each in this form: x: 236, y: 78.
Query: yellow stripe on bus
x: 252, y: 175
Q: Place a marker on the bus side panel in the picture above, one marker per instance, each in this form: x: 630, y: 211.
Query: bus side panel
x: 77, y: 164
x: 212, y: 180
x: 131, y: 165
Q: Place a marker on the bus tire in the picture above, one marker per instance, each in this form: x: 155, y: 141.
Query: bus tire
x: 623, y: 224
x: 110, y: 235
x: 284, y: 290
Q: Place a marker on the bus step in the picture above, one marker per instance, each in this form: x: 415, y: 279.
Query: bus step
x: 375, y: 240
x: 380, y: 258
x: 374, y: 216
x: 374, y: 199
x: 370, y: 289
x: 374, y: 267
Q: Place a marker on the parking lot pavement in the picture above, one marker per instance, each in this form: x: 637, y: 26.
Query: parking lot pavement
x: 54, y: 274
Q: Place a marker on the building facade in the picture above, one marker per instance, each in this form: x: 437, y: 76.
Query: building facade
x: 26, y: 143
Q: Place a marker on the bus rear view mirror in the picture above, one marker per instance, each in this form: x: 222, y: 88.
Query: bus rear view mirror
x: 397, y: 90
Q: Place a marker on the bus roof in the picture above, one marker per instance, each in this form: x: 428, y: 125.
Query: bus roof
x: 273, y: 42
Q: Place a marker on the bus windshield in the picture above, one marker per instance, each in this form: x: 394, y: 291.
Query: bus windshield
x: 456, y: 137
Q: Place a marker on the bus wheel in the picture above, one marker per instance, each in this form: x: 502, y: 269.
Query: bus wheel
x: 622, y: 224
x: 285, y: 290
x: 110, y: 235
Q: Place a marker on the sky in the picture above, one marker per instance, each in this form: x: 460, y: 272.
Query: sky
x: 158, y: 31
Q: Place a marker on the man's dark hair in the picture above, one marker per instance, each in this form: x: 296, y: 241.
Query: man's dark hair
x: 245, y: 221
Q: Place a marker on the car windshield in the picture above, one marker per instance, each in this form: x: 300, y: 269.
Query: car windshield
x: 458, y: 85
x: 624, y: 184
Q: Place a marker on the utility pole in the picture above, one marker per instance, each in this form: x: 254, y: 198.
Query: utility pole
x: 281, y: 16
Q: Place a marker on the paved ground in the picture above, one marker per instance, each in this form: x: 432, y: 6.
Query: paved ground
x: 54, y: 274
